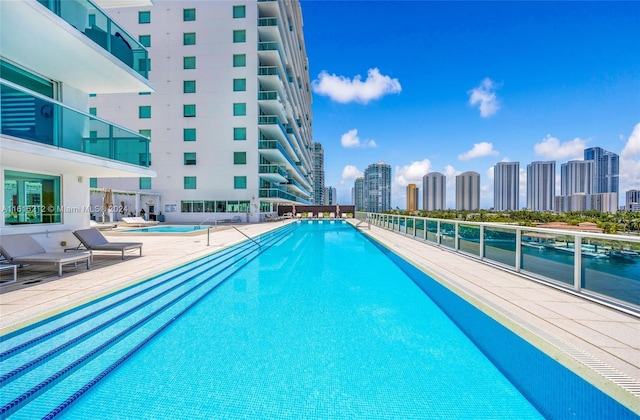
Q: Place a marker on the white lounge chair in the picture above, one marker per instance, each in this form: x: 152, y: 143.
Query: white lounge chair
x: 332, y: 215
x: 94, y: 240
x: 23, y: 249
x: 102, y: 226
x: 138, y: 221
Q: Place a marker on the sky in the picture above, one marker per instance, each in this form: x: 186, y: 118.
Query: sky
x: 459, y: 86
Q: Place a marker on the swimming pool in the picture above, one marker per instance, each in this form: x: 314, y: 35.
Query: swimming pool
x: 167, y: 229
x: 318, y: 322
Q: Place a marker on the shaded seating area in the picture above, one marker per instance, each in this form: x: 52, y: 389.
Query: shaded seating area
x: 23, y: 249
x: 93, y: 240
x: 137, y: 221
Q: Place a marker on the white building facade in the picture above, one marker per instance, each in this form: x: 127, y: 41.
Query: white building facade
x: 506, y: 186
x: 541, y: 185
x: 468, y: 191
x: 51, y: 145
x: 434, y: 191
x: 230, y: 121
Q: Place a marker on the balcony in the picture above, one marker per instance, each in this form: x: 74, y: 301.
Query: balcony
x: 270, y: 79
x: 296, y: 186
x: 275, y: 193
x: 269, y: 53
x: 76, y: 43
x: 40, y: 120
x: 273, y: 173
x: 270, y: 103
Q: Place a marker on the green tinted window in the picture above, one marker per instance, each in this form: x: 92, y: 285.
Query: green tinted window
x: 239, y: 109
x: 189, y: 134
x: 189, y: 63
x: 239, y: 133
x: 239, y: 60
x: 239, y: 158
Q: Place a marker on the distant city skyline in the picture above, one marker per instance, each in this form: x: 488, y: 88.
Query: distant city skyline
x: 452, y: 87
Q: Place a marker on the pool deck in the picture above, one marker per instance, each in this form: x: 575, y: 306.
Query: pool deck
x: 599, y: 343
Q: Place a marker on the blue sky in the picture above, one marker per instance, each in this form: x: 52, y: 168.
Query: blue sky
x: 458, y: 86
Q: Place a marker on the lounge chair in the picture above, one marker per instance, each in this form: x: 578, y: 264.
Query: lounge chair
x: 23, y: 249
x: 94, y: 240
x: 332, y: 215
x: 138, y: 221
x: 102, y: 226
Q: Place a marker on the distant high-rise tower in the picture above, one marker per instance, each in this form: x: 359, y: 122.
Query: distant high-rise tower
x: 576, y: 177
x: 330, y: 196
x: 632, y: 202
x: 541, y: 185
x: 434, y: 191
x: 412, y: 197
x: 468, y: 191
x: 377, y: 187
x: 606, y: 170
x: 506, y: 186
x: 358, y: 194
x: 318, y: 174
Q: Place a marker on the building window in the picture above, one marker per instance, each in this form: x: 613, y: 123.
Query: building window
x: 145, y: 132
x: 189, y: 110
x: 144, y: 93
x: 189, y: 134
x: 240, y: 133
x: 240, y: 182
x: 144, y: 183
x: 239, y: 109
x: 31, y: 198
x: 239, y: 85
x: 93, y: 111
x: 189, y: 15
x: 93, y: 182
x: 144, y: 111
x: 189, y: 38
x: 145, y: 40
x: 189, y: 182
x: 189, y: 86
x: 144, y: 64
x: 144, y: 17
x: 239, y: 12
x: 239, y: 158
x: 189, y: 158
x: 188, y: 63
x: 240, y: 36
x: 239, y: 60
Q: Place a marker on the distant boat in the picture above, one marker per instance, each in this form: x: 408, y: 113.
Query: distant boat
x: 624, y: 254
x: 585, y: 251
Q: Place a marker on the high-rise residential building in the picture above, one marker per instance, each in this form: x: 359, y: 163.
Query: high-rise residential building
x: 413, y: 197
x: 632, y: 202
x: 434, y: 191
x: 53, y: 55
x: 377, y: 187
x: 468, y: 191
x: 330, y: 196
x: 358, y: 194
x: 576, y: 177
x: 541, y: 185
x: 318, y: 174
x: 230, y: 121
x: 605, y: 202
x: 606, y: 169
x: 506, y: 186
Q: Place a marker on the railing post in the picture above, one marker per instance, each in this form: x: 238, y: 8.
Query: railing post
x: 481, y: 250
x: 456, y: 240
x: 577, y: 263
x: 518, y: 249
x: 438, y: 236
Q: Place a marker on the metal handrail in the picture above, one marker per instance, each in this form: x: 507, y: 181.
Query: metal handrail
x: 243, y: 234
x: 214, y: 220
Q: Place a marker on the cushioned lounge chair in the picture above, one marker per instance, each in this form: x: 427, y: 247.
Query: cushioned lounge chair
x: 137, y: 221
x: 93, y: 240
x: 23, y: 249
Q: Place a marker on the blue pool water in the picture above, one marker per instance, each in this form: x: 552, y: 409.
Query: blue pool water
x: 323, y: 324
x: 168, y: 229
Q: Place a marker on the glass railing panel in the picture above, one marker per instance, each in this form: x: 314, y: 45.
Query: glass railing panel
x: 270, y: 95
x: 612, y: 268
x: 448, y: 234
x: 268, y: 71
x: 267, y: 46
x: 432, y: 231
x: 97, y: 26
x: 420, y: 226
x: 268, y: 21
x: 500, y: 245
x: 543, y: 255
x: 469, y: 239
x: 34, y: 118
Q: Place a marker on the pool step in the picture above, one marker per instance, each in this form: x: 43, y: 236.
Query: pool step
x: 38, y: 379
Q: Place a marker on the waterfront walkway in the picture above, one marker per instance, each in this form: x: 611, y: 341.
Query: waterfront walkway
x: 599, y: 343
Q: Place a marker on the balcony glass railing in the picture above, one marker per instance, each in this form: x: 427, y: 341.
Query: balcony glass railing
x: 599, y: 266
x: 268, y: 71
x: 272, y: 169
x: 267, y: 46
x: 270, y: 95
x: 269, y: 21
x: 39, y: 119
x: 276, y: 193
x: 101, y: 29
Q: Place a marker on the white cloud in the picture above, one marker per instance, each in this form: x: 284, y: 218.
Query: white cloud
x: 350, y: 172
x: 351, y: 139
x: 409, y: 174
x: 479, y: 150
x: 630, y: 162
x: 551, y: 148
x: 485, y: 97
x: 344, y: 90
